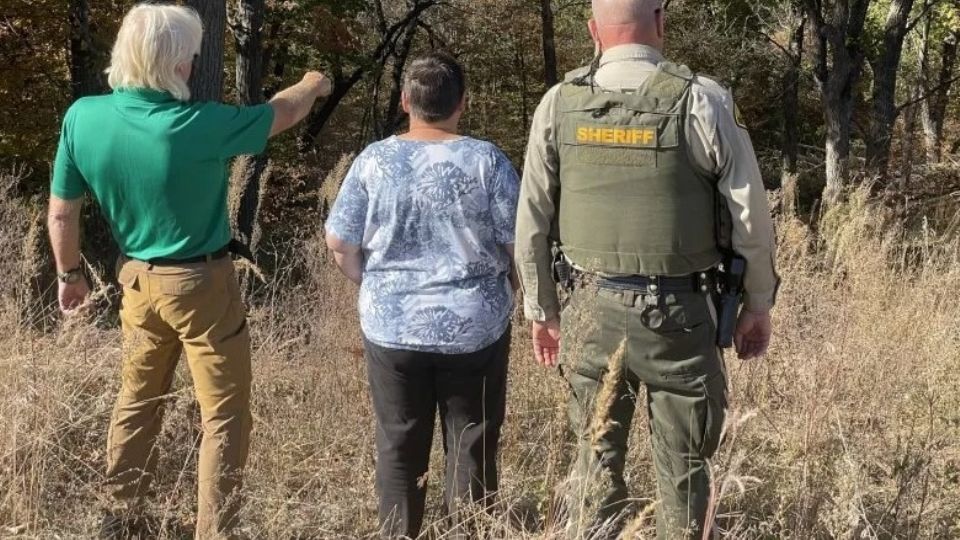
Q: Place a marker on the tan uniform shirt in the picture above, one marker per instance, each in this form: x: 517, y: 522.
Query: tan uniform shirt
x: 719, y: 146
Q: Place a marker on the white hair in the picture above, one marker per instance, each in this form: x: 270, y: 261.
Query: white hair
x: 624, y: 11
x: 153, y: 41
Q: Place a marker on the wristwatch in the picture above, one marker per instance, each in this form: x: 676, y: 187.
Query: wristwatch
x: 71, y: 276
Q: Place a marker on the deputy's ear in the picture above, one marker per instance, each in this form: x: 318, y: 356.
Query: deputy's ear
x: 405, y: 102
x: 595, y: 33
x: 661, y: 18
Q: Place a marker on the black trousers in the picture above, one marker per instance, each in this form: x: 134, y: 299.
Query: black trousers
x: 408, y: 387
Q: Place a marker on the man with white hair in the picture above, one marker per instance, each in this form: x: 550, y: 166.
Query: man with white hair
x: 640, y: 196
x: 157, y: 165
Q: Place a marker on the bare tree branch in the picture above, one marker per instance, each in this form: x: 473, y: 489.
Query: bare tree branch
x: 774, y: 42
x: 395, y: 116
x: 436, y: 39
x: 928, y: 94
x: 343, y: 85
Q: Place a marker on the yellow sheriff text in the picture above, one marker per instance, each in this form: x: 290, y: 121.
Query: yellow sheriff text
x: 617, y: 136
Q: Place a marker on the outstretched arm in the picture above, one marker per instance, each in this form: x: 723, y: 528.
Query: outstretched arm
x: 293, y: 104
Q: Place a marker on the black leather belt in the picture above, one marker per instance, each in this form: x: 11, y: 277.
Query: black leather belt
x: 701, y: 282
x: 215, y: 256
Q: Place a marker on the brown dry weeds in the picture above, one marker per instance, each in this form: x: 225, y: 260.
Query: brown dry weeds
x: 849, y: 428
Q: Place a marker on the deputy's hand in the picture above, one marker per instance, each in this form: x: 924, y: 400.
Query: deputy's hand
x: 320, y: 81
x: 753, y: 334
x: 73, y: 296
x: 546, y: 342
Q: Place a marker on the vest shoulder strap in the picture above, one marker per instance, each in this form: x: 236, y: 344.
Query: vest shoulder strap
x: 664, y: 91
x: 670, y: 83
x: 677, y: 70
x: 573, y: 76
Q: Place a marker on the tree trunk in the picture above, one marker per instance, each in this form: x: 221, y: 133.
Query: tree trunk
x: 839, y: 64
x: 206, y: 83
x: 933, y: 109
x: 520, y: 64
x: 837, y: 147
x: 921, y: 109
x: 550, y: 77
x: 318, y: 118
x: 791, y: 99
x: 248, y: 173
x: 248, y: 37
x: 395, y: 116
x: 911, y: 114
x: 884, y: 98
x: 248, y: 181
x: 839, y: 98
x: 85, y: 78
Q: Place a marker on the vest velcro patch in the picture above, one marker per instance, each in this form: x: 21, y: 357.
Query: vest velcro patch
x: 622, y: 136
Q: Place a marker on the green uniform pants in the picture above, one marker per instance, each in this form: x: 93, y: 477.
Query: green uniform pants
x: 196, y: 309
x: 609, y: 349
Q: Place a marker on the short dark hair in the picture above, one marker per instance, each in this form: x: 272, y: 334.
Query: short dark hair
x: 435, y: 84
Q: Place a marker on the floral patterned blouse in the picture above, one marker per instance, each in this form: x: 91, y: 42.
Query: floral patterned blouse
x: 432, y: 219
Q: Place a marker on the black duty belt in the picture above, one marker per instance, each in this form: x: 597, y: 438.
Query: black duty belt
x: 701, y: 282
x: 215, y: 256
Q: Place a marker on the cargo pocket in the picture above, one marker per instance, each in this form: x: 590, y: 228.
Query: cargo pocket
x: 578, y: 328
x: 715, y: 389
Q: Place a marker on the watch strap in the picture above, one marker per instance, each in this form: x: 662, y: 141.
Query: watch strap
x: 70, y: 276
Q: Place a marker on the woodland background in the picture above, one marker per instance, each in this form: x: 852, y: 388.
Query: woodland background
x: 848, y: 429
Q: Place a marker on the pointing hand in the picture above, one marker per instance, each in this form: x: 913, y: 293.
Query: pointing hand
x: 322, y: 82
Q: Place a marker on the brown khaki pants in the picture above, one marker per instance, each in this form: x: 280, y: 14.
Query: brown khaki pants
x: 195, y: 309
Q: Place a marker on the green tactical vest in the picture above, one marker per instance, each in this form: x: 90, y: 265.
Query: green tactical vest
x: 632, y: 201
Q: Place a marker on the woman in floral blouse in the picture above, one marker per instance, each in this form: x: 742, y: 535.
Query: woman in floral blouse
x: 425, y: 223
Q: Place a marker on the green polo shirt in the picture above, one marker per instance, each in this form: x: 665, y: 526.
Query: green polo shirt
x: 157, y: 166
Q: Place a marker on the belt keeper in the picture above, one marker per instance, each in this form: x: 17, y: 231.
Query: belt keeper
x: 654, y: 287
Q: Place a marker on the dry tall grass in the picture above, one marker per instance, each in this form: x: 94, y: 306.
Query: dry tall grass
x: 848, y: 429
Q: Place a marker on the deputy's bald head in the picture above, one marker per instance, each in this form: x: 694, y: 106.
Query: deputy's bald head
x: 622, y: 22
x: 615, y: 12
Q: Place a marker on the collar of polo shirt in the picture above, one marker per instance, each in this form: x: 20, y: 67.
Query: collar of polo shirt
x: 146, y: 94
